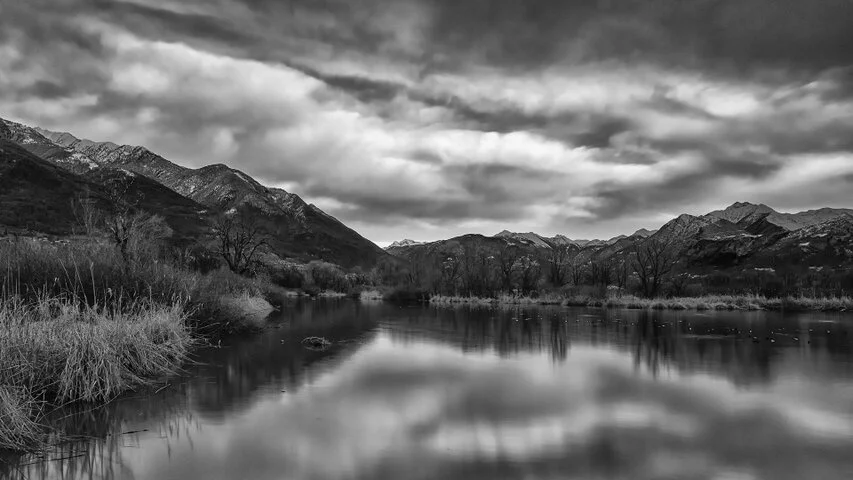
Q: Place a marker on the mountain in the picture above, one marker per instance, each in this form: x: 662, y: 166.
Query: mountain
x: 643, y: 233
x: 40, y: 196
x: 829, y: 243
x: 562, y: 240
x: 36, y: 194
x: 188, y: 219
x: 529, y: 238
x: 440, y: 250
x: 37, y: 144
x: 539, y: 241
x: 405, y: 243
x: 742, y: 236
x: 686, y: 228
x: 294, y: 228
x: 745, y: 214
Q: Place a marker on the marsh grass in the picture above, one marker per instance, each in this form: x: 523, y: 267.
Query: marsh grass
x: 711, y: 302
x: 57, y: 350
x: 93, y: 273
x: 79, y: 325
x: 19, y: 430
x: 716, y: 302
x: 244, y: 312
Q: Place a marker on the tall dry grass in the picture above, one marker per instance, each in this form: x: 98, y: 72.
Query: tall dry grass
x: 94, y: 273
x: 717, y: 302
x: 710, y: 302
x: 77, y: 324
x: 57, y: 350
x: 18, y: 428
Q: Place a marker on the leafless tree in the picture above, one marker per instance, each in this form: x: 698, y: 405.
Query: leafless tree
x: 530, y: 271
x: 601, y: 272
x: 238, y: 241
x: 134, y: 231
x: 577, y: 270
x: 559, y: 263
x: 621, y: 273
x: 678, y: 285
x: 451, y: 268
x: 418, y: 269
x: 86, y: 213
x: 507, y: 260
x: 653, y: 261
x: 477, y: 267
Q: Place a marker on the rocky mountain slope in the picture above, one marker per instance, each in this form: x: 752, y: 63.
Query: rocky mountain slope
x: 742, y: 236
x: 37, y: 144
x: 745, y: 214
x: 294, y: 228
x: 405, y: 243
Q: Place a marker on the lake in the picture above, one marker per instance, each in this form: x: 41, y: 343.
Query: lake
x: 479, y: 393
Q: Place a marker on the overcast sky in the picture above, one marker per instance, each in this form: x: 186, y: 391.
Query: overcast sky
x: 431, y: 118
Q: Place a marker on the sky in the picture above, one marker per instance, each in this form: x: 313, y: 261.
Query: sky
x: 427, y: 119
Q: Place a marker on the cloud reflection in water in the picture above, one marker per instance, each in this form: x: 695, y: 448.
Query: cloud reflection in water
x: 419, y: 409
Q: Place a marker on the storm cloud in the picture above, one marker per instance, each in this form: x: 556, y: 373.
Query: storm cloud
x: 430, y: 118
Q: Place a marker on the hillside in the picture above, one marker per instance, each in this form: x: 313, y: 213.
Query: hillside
x: 36, y: 194
x: 37, y: 144
x: 741, y: 237
x: 745, y: 214
x: 294, y: 228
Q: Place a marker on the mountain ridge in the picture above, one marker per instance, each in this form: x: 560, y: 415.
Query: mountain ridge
x: 294, y: 227
x: 743, y: 235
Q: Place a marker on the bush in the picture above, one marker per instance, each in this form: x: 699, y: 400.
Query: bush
x: 327, y: 276
x: 407, y: 295
x: 287, y: 276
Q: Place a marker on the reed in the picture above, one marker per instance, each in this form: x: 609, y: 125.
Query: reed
x: 57, y: 350
x: 710, y: 302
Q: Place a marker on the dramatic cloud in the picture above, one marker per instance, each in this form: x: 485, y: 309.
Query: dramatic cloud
x: 430, y: 118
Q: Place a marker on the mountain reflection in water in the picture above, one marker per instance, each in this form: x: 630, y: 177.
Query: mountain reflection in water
x: 489, y: 393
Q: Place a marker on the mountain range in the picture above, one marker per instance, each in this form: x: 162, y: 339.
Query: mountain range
x: 42, y: 171
x: 742, y: 236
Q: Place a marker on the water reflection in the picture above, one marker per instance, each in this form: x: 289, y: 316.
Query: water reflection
x: 505, y: 393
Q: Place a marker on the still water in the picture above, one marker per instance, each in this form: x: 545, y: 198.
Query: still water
x: 521, y: 393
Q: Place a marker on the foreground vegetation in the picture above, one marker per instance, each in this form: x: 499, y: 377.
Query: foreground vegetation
x: 80, y: 323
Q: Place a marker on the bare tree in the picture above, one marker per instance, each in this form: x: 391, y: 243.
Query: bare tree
x: 134, y: 231
x: 529, y: 273
x: 86, y: 213
x: 601, y: 272
x: 559, y: 258
x: 418, y: 271
x: 451, y: 268
x: 653, y: 261
x: 577, y: 270
x: 238, y: 241
x: 507, y: 260
x: 621, y: 273
x: 477, y: 268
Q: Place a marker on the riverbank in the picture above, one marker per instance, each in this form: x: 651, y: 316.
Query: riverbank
x: 78, y: 324
x: 710, y: 302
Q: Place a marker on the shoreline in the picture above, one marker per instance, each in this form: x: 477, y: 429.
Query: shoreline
x: 703, y: 303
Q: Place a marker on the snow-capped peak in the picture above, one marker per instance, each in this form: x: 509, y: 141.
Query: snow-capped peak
x: 405, y: 243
